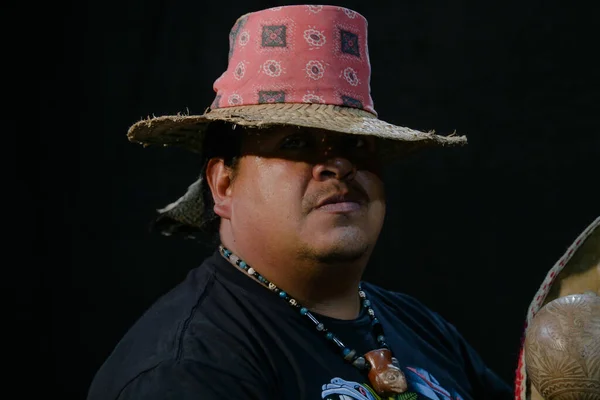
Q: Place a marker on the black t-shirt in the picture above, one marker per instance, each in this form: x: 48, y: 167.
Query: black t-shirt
x: 221, y: 335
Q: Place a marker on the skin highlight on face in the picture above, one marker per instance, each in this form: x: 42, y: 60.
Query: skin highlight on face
x: 311, y: 191
x: 305, y: 207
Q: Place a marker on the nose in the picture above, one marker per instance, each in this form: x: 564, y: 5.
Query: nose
x: 336, y: 167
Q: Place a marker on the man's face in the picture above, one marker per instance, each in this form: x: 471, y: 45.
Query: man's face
x: 314, y: 193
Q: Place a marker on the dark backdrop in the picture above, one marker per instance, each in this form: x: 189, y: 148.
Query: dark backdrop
x: 471, y: 231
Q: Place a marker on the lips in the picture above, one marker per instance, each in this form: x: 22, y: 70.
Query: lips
x: 341, y: 202
x: 342, y: 207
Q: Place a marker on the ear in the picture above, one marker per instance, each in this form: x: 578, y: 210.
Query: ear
x: 218, y: 176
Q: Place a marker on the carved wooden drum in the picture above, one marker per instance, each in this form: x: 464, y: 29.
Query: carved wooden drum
x: 562, y: 348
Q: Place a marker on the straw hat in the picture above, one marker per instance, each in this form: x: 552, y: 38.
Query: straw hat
x: 300, y: 65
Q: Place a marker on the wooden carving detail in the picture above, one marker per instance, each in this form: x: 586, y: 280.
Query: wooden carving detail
x: 386, y: 378
x: 562, y: 348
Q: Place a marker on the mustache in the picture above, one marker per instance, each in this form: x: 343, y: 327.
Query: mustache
x: 352, y: 190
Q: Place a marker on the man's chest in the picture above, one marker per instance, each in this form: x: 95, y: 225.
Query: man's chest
x: 311, y: 369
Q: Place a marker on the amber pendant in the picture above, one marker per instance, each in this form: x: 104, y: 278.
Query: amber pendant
x: 386, y: 378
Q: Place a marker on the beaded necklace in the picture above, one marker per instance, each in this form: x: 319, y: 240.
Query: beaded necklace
x: 383, y: 369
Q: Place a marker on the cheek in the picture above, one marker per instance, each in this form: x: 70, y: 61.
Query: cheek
x: 278, y: 182
x: 372, y: 185
x: 375, y: 190
x: 267, y: 185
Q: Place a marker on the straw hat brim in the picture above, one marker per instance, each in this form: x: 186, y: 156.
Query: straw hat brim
x: 188, y: 130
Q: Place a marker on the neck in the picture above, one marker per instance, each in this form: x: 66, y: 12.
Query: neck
x: 329, y: 289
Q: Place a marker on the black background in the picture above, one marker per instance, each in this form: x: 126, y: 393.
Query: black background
x: 470, y: 231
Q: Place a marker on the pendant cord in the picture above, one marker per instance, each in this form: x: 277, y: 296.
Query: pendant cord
x: 350, y: 355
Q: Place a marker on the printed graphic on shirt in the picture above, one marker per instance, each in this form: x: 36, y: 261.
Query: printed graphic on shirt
x: 421, y: 386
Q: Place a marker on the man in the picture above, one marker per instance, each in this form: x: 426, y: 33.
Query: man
x: 293, y: 152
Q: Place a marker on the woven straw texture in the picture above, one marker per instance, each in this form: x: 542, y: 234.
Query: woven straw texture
x: 188, y: 130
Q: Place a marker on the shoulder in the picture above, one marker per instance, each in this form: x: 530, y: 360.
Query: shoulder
x: 401, y: 302
x: 410, y: 311
x: 158, y: 335
x: 202, y: 330
x: 166, y: 320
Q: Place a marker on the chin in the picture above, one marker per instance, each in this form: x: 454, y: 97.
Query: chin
x: 332, y: 248
x: 335, y: 256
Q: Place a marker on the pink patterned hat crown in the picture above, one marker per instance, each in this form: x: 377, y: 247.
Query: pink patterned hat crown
x: 297, y: 54
x: 300, y: 65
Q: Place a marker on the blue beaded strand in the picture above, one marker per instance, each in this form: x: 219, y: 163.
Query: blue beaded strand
x: 348, y: 353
